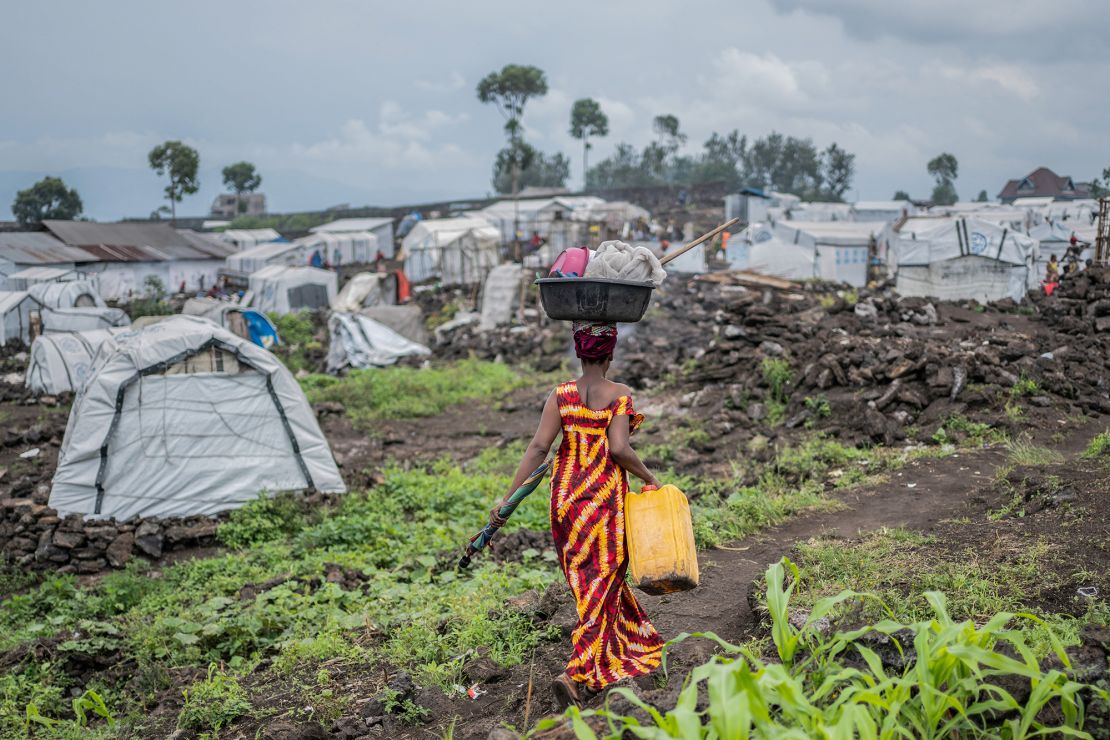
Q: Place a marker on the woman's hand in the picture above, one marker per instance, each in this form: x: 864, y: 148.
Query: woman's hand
x: 495, y: 517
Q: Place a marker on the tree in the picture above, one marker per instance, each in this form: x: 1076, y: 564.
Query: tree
x: 784, y: 163
x: 241, y: 177
x: 670, y: 138
x: 49, y: 198
x: 901, y: 195
x: 983, y: 197
x: 586, y: 120
x: 944, y: 169
x: 180, y: 163
x: 837, y: 169
x: 624, y: 169
x: 509, y: 90
x: 535, y: 168
x: 1100, y: 187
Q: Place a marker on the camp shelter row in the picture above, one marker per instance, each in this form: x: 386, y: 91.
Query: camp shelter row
x: 121, y: 257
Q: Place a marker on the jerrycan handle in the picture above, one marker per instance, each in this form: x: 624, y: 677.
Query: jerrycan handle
x: 648, y: 488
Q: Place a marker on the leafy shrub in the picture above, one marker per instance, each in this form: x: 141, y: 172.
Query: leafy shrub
x: 213, y: 703
x: 263, y: 520
x: 1098, y: 447
x: 1024, y: 387
x: 294, y: 328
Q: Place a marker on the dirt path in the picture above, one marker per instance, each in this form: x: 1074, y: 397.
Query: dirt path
x: 917, y: 497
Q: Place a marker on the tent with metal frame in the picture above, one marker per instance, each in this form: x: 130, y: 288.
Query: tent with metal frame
x: 184, y: 418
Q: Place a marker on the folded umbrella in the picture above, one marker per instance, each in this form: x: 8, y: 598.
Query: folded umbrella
x: 480, y: 540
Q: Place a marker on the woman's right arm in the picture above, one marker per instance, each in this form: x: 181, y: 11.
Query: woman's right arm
x: 624, y: 455
x: 536, y: 453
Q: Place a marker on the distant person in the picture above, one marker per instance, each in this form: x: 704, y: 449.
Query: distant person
x: 1052, y: 271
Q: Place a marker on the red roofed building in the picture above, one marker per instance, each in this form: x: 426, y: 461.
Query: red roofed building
x: 1043, y: 182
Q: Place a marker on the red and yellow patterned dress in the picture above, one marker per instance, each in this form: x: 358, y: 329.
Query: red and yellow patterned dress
x: 614, y: 639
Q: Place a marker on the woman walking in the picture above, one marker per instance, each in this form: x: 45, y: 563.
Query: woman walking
x: 613, y: 640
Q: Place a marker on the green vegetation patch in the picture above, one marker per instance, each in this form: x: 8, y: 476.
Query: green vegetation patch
x: 370, y: 582
x: 406, y: 392
x: 936, y: 676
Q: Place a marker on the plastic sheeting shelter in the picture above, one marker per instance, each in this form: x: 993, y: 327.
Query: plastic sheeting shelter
x: 280, y: 289
x: 457, y: 251
x: 366, y: 289
x: 782, y: 259
x: 360, y: 342
x: 500, y: 295
x: 316, y: 250
x: 63, y: 362
x: 57, y: 320
x: 22, y: 279
x: 841, y: 249
x: 406, y: 320
x: 240, y: 321
x: 67, y: 294
x: 15, y: 316
x: 184, y: 418
x: 963, y: 258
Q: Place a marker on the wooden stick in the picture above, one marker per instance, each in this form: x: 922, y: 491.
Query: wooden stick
x: 704, y: 237
x: 528, y: 701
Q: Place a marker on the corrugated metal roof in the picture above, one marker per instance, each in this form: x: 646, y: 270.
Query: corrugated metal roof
x: 38, y: 248
x: 136, y: 242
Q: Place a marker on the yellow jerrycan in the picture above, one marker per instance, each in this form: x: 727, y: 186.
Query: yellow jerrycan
x: 660, y: 536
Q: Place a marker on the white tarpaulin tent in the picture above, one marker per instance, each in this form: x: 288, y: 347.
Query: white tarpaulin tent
x: 454, y: 250
x: 324, y: 249
x: 963, y: 258
x: 280, y: 289
x: 360, y: 342
x: 841, y: 248
x: 882, y: 210
x: 500, y: 294
x: 247, y: 238
x: 63, y: 362
x: 57, y: 320
x: 366, y: 289
x: 184, y: 418
x: 1054, y: 239
x: 22, y: 279
x: 67, y: 294
x: 782, y: 259
x: 406, y: 320
x: 15, y: 316
x: 382, y: 228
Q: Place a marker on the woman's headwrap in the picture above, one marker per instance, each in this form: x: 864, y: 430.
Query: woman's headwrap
x: 594, y: 340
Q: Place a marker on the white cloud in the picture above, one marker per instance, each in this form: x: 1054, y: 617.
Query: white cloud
x: 455, y: 81
x: 1008, y: 77
x: 399, y: 140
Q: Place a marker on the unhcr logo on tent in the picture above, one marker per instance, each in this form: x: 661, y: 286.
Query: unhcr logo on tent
x: 978, y: 243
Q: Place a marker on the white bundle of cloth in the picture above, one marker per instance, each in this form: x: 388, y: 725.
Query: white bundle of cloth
x: 621, y: 261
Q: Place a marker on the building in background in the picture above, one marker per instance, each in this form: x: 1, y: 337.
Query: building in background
x: 227, y: 205
x: 1043, y: 182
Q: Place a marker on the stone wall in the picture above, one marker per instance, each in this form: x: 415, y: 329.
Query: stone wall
x: 32, y: 535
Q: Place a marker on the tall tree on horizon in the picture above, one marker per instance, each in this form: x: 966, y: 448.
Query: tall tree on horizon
x: 180, y: 162
x: 944, y: 168
x: 49, y: 198
x: 586, y: 120
x: 509, y: 90
x: 241, y: 177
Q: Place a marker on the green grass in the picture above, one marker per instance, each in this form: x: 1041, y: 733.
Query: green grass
x: 1023, y: 452
x: 1099, y: 447
x: 971, y: 433
x: 796, y: 480
x: 898, y: 566
x: 406, y: 392
x: 1025, y: 387
x: 408, y: 609
x: 777, y: 375
x: 213, y: 703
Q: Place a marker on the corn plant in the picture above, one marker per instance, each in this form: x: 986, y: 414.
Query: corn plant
x: 828, y: 684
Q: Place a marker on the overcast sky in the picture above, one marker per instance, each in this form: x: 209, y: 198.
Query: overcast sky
x: 373, y: 103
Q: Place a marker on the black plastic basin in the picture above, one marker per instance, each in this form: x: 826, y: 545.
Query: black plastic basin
x: 594, y: 299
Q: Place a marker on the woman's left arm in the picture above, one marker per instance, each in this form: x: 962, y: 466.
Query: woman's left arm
x: 536, y: 453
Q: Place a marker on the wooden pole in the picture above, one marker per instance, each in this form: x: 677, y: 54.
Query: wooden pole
x: 703, y: 238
